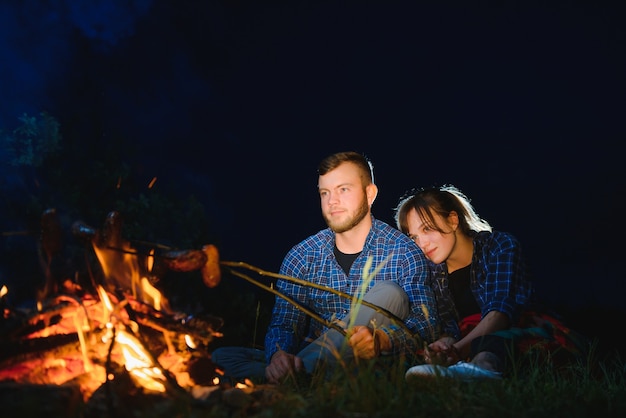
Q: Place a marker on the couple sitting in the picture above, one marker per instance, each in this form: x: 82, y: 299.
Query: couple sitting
x: 448, y: 303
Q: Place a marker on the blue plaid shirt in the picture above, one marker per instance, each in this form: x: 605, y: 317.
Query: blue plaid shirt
x: 499, y: 280
x: 313, y: 260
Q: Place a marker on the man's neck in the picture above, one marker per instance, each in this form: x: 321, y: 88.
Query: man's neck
x: 353, y: 240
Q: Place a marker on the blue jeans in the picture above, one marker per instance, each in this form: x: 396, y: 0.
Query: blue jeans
x: 328, y: 348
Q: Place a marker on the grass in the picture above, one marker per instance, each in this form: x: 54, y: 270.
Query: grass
x: 538, y: 388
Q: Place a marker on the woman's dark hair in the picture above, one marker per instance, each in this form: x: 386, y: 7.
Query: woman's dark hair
x: 441, y: 200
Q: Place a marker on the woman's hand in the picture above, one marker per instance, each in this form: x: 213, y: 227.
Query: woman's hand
x: 442, y: 351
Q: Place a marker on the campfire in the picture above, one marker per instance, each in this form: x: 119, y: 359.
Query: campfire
x: 117, y: 335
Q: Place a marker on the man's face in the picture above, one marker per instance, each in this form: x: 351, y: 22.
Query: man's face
x: 343, y: 198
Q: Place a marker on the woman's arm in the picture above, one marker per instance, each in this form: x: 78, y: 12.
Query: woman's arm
x: 492, y: 322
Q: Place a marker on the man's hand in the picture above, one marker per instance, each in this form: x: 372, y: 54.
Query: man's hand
x: 365, y: 342
x: 282, y: 365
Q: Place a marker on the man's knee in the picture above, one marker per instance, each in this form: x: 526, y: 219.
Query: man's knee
x: 237, y: 354
x: 388, y: 288
x: 219, y: 353
x: 240, y: 362
x: 390, y: 296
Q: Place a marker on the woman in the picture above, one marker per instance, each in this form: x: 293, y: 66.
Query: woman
x: 483, y: 289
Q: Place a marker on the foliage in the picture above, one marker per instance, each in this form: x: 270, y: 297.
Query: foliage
x: 85, y: 181
x: 33, y: 141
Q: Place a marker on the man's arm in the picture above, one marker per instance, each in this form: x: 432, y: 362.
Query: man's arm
x: 287, y: 322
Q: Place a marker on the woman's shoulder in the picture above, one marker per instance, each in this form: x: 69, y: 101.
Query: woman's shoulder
x: 496, y: 239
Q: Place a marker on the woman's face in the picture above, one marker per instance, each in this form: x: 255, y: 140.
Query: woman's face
x: 435, y: 245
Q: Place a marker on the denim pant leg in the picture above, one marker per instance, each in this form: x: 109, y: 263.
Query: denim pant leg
x: 240, y: 362
x: 332, y: 345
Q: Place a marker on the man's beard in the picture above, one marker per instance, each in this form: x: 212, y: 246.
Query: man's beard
x: 351, y: 222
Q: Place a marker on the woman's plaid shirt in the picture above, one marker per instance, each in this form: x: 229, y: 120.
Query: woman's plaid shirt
x: 499, y: 280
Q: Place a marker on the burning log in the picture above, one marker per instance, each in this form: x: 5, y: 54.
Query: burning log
x: 199, y: 328
x: 24, y: 325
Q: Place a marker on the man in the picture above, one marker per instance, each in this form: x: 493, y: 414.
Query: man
x: 358, y: 255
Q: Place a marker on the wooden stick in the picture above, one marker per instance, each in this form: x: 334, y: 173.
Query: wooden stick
x: 293, y: 302
x: 261, y: 272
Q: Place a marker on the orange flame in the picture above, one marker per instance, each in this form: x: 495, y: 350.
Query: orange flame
x: 151, y: 292
x: 138, y: 363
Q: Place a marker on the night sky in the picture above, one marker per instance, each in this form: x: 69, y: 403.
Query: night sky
x: 520, y: 104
